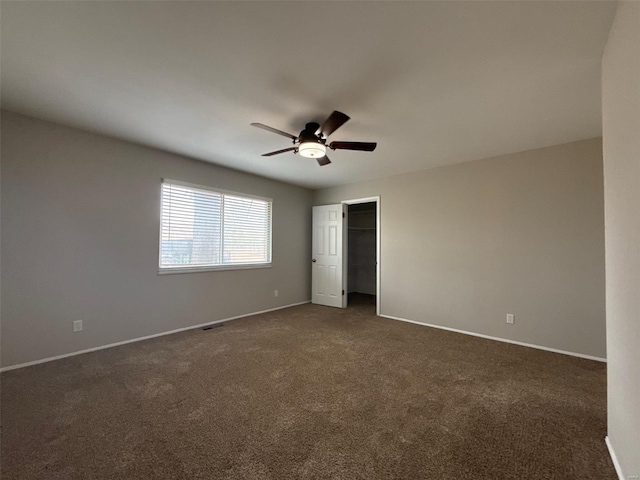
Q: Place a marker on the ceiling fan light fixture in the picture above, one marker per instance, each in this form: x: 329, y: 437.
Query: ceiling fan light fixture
x: 312, y: 149
x: 312, y: 143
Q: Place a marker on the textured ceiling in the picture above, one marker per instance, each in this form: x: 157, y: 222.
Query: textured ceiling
x: 434, y: 83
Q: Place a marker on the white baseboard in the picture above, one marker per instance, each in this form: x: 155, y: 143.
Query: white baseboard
x: 498, y: 339
x: 614, y: 458
x: 139, y: 339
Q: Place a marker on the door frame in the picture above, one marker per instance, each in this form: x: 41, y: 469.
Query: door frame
x: 345, y: 241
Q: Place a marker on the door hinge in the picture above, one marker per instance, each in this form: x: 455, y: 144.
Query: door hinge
x: 342, y: 214
x: 342, y: 292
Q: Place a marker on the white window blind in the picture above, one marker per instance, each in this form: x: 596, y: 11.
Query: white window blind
x: 202, y: 228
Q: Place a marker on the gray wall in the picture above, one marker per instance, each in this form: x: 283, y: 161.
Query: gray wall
x: 80, y: 226
x: 621, y: 134
x: 463, y: 245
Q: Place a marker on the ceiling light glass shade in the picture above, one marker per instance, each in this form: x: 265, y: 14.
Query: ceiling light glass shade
x: 312, y: 149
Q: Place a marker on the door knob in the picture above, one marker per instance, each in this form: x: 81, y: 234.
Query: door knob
x: 313, y: 260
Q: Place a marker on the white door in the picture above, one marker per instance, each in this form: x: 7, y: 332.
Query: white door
x: 326, y: 267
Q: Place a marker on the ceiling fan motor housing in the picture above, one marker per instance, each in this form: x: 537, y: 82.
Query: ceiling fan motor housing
x: 309, y: 133
x: 311, y: 145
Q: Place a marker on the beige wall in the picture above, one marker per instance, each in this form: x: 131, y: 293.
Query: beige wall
x: 621, y: 134
x: 462, y: 246
x: 80, y: 225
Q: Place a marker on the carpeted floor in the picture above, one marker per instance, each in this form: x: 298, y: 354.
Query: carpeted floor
x: 308, y: 392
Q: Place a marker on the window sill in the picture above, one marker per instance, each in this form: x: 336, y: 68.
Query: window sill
x: 175, y: 270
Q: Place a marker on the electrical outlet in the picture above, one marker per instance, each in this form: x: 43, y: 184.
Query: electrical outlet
x: 511, y: 318
x: 275, y: 293
x: 77, y: 325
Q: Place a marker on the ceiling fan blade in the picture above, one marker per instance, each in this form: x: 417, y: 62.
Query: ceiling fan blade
x: 277, y: 152
x: 322, y: 161
x: 331, y: 124
x: 364, y: 146
x: 274, y: 130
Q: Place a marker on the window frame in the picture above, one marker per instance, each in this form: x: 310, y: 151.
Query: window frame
x: 221, y: 267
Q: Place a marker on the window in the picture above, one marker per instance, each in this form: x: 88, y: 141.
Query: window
x: 203, y: 229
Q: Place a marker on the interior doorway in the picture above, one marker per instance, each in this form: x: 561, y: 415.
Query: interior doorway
x: 361, y: 248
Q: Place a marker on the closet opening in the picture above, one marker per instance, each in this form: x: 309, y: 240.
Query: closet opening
x: 361, y: 255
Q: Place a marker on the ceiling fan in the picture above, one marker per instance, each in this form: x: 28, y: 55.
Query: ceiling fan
x: 312, y: 141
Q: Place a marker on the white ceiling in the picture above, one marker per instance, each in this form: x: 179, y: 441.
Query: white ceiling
x: 434, y: 83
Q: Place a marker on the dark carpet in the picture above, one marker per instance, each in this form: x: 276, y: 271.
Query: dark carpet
x: 309, y: 392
